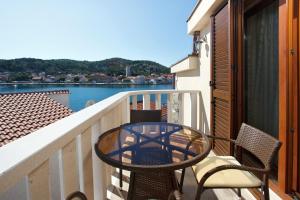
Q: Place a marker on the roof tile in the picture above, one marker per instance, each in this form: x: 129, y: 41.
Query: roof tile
x: 23, y: 113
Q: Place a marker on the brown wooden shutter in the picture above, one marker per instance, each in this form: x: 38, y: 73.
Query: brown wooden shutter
x: 221, y: 80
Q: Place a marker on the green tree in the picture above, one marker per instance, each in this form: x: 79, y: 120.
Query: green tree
x: 62, y: 79
x: 76, y: 79
x: 20, y: 76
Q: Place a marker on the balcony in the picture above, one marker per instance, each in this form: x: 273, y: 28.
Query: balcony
x: 59, y: 159
x: 189, y: 63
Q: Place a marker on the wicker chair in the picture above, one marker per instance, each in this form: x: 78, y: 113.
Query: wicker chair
x: 175, y: 195
x: 141, y: 116
x: 145, y: 116
x: 226, y: 171
x: 76, y: 195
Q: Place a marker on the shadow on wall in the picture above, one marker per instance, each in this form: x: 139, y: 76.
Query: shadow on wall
x: 203, y: 121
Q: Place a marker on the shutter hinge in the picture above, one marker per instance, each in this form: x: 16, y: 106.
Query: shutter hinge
x: 292, y: 130
x: 292, y: 52
x: 213, y: 102
x: 212, y: 83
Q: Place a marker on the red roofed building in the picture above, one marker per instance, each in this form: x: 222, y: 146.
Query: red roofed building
x: 23, y: 113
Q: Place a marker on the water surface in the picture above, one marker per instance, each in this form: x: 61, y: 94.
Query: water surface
x: 80, y: 94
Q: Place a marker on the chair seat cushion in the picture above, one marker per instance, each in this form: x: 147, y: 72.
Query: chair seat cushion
x: 226, y: 178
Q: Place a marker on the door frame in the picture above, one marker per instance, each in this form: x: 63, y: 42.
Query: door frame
x: 288, y: 94
x: 289, y: 176
x: 293, y: 23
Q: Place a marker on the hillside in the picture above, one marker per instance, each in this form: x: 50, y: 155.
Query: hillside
x: 113, y: 66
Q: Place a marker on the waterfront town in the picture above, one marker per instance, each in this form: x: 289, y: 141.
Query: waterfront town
x: 97, y: 77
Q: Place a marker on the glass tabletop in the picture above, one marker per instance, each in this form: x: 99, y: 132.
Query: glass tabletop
x: 153, y: 145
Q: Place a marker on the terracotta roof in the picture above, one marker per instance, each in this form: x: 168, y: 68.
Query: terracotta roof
x: 44, y: 92
x: 23, y: 113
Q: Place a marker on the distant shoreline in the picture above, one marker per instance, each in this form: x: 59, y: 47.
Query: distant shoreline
x: 80, y: 84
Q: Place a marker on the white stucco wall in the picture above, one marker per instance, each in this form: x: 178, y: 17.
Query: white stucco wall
x: 198, y: 79
x: 202, y: 15
x: 60, y: 98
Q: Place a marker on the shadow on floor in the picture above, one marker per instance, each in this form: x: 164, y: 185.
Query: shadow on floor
x: 189, y: 188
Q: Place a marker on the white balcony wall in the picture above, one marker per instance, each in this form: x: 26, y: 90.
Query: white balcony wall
x: 59, y: 159
x: 198, y: 79
x: 61, y: 98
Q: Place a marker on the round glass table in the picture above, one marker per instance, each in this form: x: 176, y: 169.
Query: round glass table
x: 152, y: 151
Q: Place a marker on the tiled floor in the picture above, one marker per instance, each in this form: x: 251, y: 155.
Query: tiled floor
x: 189, y: 189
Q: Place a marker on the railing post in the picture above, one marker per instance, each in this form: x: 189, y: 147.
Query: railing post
x: 169, y: 106
x: 134, y: 102
x: 126, y: 110
x: 181, y: 107
x: 70, y: 168
x: 116, y: 116
x: 80, y: 163
x: 86, y: 168
x: 99, y: 171
x: 194, y: 110
x: 158, y: 101
x: 39, y: 179
x: 56, y: 174
x: 146, y: 102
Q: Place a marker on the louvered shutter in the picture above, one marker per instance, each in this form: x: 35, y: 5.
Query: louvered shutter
x: 221, y: 80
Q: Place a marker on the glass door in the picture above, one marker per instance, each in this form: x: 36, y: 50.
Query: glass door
x: 261, y: 85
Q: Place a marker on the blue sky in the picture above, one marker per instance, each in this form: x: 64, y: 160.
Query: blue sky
x: 95, y: 29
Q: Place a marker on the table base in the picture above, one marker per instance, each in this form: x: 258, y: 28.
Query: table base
x: 154, y: 185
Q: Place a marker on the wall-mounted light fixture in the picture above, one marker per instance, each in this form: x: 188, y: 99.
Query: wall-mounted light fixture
x: 197, y: 41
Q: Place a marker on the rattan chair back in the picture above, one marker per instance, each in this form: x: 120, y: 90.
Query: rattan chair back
x: 145, y: 116
x: 258, y: 143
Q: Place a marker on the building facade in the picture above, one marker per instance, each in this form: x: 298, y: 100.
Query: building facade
x: 245, y: 62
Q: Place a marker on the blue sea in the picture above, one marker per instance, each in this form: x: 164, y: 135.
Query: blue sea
x: 80, y: 94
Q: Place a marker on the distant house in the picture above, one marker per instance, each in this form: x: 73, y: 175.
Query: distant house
x: 126, y: 80
x: 158, y: 80
x: 100, y: 78
x: 139, y: 79
x: 152, y: 81
x: 42, y: 74
x: 69, y: 78
x: 23, y: 113
x: 3, y: 77
x: 37, y: 79
x: 82, y: 79
x: 50, y: 79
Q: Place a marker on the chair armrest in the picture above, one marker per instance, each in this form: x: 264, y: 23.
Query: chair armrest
x: 220, y: 138
x: 237, y: 167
